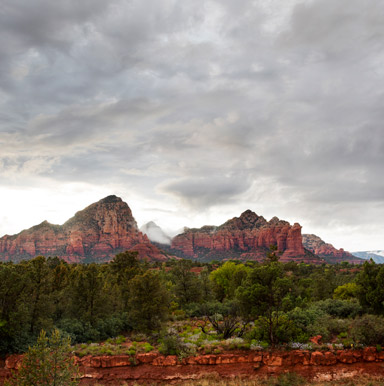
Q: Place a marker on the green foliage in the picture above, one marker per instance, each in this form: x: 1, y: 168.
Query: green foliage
x: 339, y: 308
x: 148, y: 302
x: 48, y: 363
x: 371, y: 287
x: 265, y: 295
x: 228, y: 278
x: 172, y: 344
x: 186, y: 287
x: 368, y: 330
x: 346, y: 291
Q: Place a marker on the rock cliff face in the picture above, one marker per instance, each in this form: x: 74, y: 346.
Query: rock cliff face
x: 327, y: 251
x: 96, y: 233
x: 246, y: 237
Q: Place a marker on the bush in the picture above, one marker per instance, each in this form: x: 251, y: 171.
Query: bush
x: 172, y: 344
x: 339, y: 308
x: 368, y: 330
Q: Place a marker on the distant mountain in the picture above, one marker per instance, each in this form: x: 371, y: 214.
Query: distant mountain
x: 155, y: 233
x: 327, y: 251
x: 94, y: 234
x: 376, y: 256
x: 247, y: 237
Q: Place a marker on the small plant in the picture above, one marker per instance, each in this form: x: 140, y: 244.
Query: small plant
x: 148, y: 347
x: 287, y: 379
x: 300, y: 346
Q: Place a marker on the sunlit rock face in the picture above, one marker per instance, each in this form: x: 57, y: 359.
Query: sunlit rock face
x: 246, y: 237
x: 96, y: 233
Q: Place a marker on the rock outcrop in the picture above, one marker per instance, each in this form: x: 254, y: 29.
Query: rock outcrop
x: 327, y: 251
x: 246, y: 237
x: 148, y: 368
x: 96, y: 233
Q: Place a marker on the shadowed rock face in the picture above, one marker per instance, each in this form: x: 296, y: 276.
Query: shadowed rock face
x: 327, y: 251
x: 247, y: 237
x: 96, y: 233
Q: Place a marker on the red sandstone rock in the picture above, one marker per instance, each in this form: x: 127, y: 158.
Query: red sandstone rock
x: 316, y: 339
x: 273, y: 359
x: 327, y: 251
x: 317, y: 358
x: 96, y: 233
x: 13, y: 361
x: 116, y: 361
x: 170, y: 360
x: 369, y: 354
x: 146, y: 357
x: 153, y: 367
x: 248, y: 237
x: 346, y: 357
x: 329, y: 358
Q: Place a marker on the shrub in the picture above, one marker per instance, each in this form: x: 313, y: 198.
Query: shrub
x: 172, y: 344
x: 339, y: 308
x: 368, y: 330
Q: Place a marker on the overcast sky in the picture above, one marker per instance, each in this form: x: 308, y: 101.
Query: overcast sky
x: 194, y: 111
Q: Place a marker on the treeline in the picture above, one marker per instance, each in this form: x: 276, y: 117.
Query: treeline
x: 283, y: 302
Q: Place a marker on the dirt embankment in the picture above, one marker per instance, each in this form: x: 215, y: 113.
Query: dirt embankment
x: 153, y: 367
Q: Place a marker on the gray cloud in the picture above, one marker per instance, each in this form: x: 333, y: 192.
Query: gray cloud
x: 198, y: 104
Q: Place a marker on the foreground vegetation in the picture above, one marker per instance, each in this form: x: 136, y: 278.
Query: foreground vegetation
x: 185, y: 308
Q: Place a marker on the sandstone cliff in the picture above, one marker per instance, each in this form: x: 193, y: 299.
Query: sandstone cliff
x: 327, y: 251
x: 246, y: 237
x: 96, y: 233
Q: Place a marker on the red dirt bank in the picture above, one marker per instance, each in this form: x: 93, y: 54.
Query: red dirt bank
x: 152, y: 367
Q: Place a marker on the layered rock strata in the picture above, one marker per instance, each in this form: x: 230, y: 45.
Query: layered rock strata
x: 96, y: 233
x: 327, y: 251
x: 247, y: 237
x: 153, y: 367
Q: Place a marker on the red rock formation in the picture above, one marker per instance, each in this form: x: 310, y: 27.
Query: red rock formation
x: 327, y: 251
x: 247, y: 237
x: 153, y: 367
x: 96, y: 233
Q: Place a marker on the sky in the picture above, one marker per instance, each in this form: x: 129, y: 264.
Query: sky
x: 194, y: 111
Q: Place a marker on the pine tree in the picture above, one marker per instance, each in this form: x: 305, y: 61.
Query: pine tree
x: 48, y: 363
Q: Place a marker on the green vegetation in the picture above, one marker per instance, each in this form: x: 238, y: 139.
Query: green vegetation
x: 47, y: 363
x: 184, y: 307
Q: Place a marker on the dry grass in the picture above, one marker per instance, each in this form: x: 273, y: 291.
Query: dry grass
x: 285, y: 380
x: 294, y: 381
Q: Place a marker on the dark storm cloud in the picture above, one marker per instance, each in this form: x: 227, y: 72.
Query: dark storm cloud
x: 199, y: 101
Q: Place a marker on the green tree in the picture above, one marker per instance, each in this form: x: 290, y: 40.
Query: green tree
x: 187, y: 287
x: 228, y: 278
x: 346, y: 291
x: 38, y: 294
x: 148, y: 302
x: 88, y: 302
x: 124, y: 267
x: 265, y: 296
x: 48, y: 363
x: 371, y: 290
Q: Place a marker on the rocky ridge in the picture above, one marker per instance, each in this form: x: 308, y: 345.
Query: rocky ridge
x: 96, y: 233
x: 246, y: 237
x: 327, y: 251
